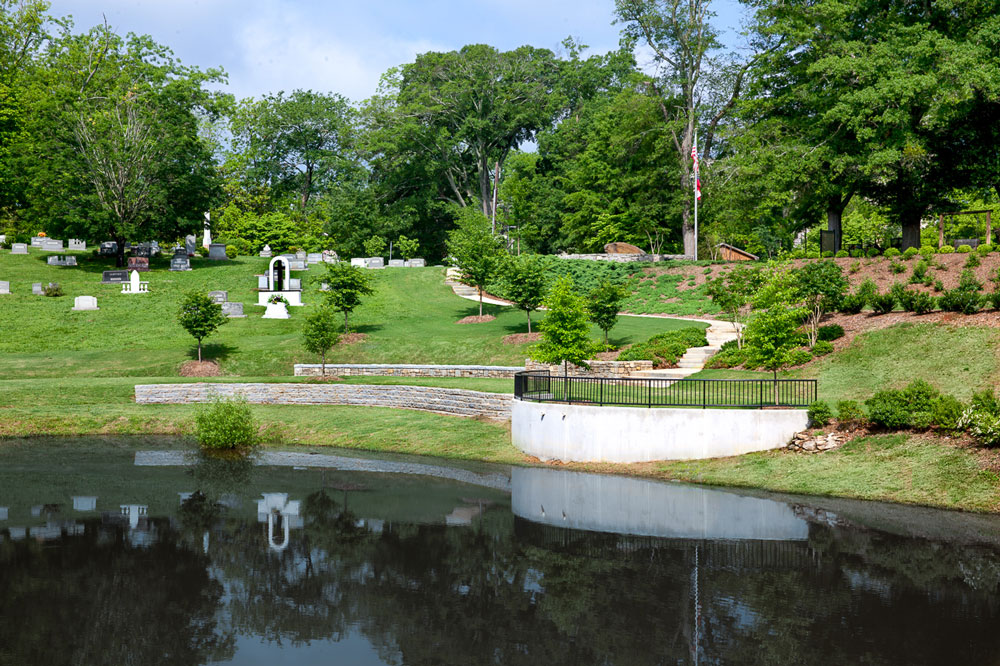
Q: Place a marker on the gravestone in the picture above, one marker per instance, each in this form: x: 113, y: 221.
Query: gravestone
x: 330, y: 257
x: 19, y: 248
x: 294, y: 284
x: 3, y: 238
x: 315, y: 257
x: 36, y: 288
x: 416, y: 263
x: 52, y: 245
x: 135, y: 285
x: 77, y: 245
x: 301, y: 254
x: 374, y: 262
x: 217, y: 251
x: 324, y: 286
x: 114, y: 277
x: 262, y: 282
x: 190, y: 245
x: 397, y: 263
x: 233, y: 310
x: 62, y: 261
x: 85, y: 303
x: 359, y: 262
x: 218, y: 296
x: 266, y: 252
x: 108, y: 249
x: 138, y: 264
x: 180, y: 260
x: 297, y: 265
x: 36, y: 241
x: 55, y: 261
x: 142, y: 250
x: 4, y: 287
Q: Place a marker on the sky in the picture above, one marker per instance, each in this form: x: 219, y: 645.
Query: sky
x: 344, y: 46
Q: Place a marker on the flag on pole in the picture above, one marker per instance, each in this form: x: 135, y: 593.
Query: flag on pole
x: 697, y: 180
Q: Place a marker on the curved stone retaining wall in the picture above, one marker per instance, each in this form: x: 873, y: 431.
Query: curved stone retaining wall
x: 580, y: 433
x: 426, y: 398
x: 406, y: 370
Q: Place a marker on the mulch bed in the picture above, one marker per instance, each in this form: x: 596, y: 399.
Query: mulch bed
x: 521, y: 338
x: 351, y: 338
x: 476, y: 319
x: 200, y: 369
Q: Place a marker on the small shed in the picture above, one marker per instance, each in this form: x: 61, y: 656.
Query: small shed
x: 730, y: 253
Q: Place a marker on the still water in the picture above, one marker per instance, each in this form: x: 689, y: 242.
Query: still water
x: 136, y: 552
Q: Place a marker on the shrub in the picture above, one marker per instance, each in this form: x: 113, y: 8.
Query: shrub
x: 872, y: 252
x: 947, y: 411
x: 812, y: 255
x: 938, y: 284
x: 278, y: 298
x: 910, y: 252
x: 853, y: 303
x: 868, y: 290
x: 984, y: 250
x: 884, y: 303
x: 963, y: 249
x: 919, y: 271
x: 967, y: 281
x: 921, y: 420
x: 828, y: 254
x: 843, y: 254
x: 897, y: 267
x: 927, y: 251
x: 819, y: 413
x: 986, y: 401
x: 799, y: 357
x: 946, y: 249
x: 241, y: 247
x: 226, y: 424
x: 960, y: 300
x: 921, y: 302
x: 920, y: 395
x: 857, y: 254
x: 973, y: 261
x: 665, y: 349
x: 891, y: 252
x: 984, y: 427
x: 230, y: 252
x: 796, y: 254
x: 855, y: 267
x: 830, y: 332
x: 822, y: 348
x: 201, y: 251
x: 52, y: 290
x: 994, y: 298
x: 849, y: 412
x: 889, y: 409
x: 727, y: 358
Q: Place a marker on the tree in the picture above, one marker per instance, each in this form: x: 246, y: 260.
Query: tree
x: 319, y: 333
x: 348, y: 286
x: 527, y: 278
x: 565, y: 329
x: 408, y: 247
x: 773, y: 331
x: 733, y: 292
x: 375, y: 246
x: 820, y: 285
x: 200, y: 316
x: 476, y: 252
x: 603, y: 303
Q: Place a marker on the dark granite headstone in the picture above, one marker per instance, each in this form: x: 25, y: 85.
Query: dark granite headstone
x: 180, y: 262
x: 109, y: 249
x: 114, y: 277
x: 140, y: 264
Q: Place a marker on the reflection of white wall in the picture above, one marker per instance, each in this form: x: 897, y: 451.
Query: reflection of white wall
x: 18, y: 533
x: 81, y: 503
x: 623, y: 505
x: 133, y: 512
x: 281, y: 516
x: 3, y: 513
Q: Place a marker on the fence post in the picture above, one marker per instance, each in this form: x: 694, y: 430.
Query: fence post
x: 600, y: 392
x: 649, y: 392
x: 704, y: 387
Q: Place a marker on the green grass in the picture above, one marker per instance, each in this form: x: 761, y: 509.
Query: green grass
x: 660, y: 294
x: 896, y: 468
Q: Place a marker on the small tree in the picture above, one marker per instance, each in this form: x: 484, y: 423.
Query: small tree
x: 565, y: 329
x: 200, y: 316
x: 408, y: 247
x: 773, y: 331
x: 733, y: 292
x: 348, y: 286
x: 603, y: 303
x: 527, y: 280
x: 820, y: 286
x: 375, y: 246
x: 319, y: 333
x: 476, y: 251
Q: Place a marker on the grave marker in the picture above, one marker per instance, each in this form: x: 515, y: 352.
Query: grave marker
x: 77, y: 245
x: 397, y: 263
x: 4, y: 287
x: 416, y: 263
x: 108, y: 249
x: 85, y: 303
x: 36, y: 288
x: 52, y: 245
x: 138, y: 264
x: 180, y: 261
x: 217, y: 251
x: 114, y: 277
x: 315, y: 257
x: 190, y: 245
x: 266, y: 252
x: 19, y: 248
x: 233, y: 310
x: 218, y: 296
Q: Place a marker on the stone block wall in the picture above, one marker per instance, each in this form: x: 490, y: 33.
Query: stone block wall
x: 426, y: 398
x: 406, y: 370
x: 608, y: 369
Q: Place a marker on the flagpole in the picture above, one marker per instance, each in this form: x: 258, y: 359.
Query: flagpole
x: 696, y: 199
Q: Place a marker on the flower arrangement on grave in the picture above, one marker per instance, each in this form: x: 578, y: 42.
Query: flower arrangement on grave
x: 41, y: 234
x: 277, y: 298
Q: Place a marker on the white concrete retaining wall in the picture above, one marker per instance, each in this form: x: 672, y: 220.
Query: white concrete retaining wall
x: 426, y: 398
x: 579, y: 433
x: 407, y: 370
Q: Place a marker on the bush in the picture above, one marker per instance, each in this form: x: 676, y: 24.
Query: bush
x: 52, y: 290
x: 201, y: 251
x: 858, y: 254
x: 921, y: 302
x: 828, y: 254
x: 889, y: 409
x: 919, y: 271
x: 843, y: 254
x: 812, y: 255
x: 986, y: 401
x: 938, y: 284
x: 967, y: 281
x: 853, y: 303
x: 960, y: 300
x: 973, y: 261
x: 994, y: 298
x: 665, y: 349
x: 897, y: 267
x: 884, y: 303
x: 868, y: 290
x: 921, y: 395
x: 910, y: 252
x: 799, y: 357
x: 230, y: 252
x: 796, y: 254
x: 226, y: 424
x: 947, y: 411
x: 984, y: 427
x: 727, y: 358
x: 241, y: 247
x: 927, y: 251
x: 855, y: 267
x: 872, y: 252
x: 946, y: 249
x: 891, y: 252
x: 822, y: 348
x: 984, y: 250
x: 963, y: 249
x: 849, y: 412
x: 819, y: 413
x: 830, y: 332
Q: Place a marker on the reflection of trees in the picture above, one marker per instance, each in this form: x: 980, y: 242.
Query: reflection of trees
x: 96, y: 600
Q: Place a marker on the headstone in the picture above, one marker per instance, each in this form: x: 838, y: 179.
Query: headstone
x: 296, y: 265
x: 138, y: 264
x: 180, y: 262
x: 37, y: 241
x: 142, y: 250
x: 324, y: 286
x: 108, y: 249
x: 52, y: 245
x: 154, y: 248
x: 114, y: 277
x: 315, y: 257
x: 232, y: 310
x: 3, y: 238
x: 70, y: 261
x: 84, y: 503
x: 54, y: 261
x: 62, y: 261
x: 262, y: 282
x: 266, y: 252
x: 359, y: 262
x: 4, y: 287
x: 19, y: 248
x: 206, y: 240
x: 416, y: 263
x: 77, y: 245
x: 135, y: 285
x: 190, y: 244
x: 218, y: 296
x: 84, y: 303
x: 330, y: 257
x: 217, y: 251
x: 374, y: 262
x: 294, y: 284
x: 276, y: 311
x: 397, y: 263
x: 301, y: 254
x: 36, y: 288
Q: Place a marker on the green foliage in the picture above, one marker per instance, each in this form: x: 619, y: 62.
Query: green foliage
x: 830, y: 332
x: 52, y: 290
x: 892, y: 252
x: 231, y: 252
x: 984, y: 250
x: 919, y: 271
x: 855, y: 267
x: 849, y: 412
x: 476, y: 251
x: 200, y: 316
x: 843, y: 254
x: 994, y: 298
x: 275, y: 229
x: 822, y: 348
x: 910, y: 252
x: 375, y: 246
x: 963, y: 249
x: 565, y: 331
x: 665, y: 349
x: 799, y: 357
x: 897, y: 267
x: 820, y: 286
x: 889, y: 409
x: 226, y: 424
x: 408, y: 247
x: 920, y: 302
x: 946, y: 249
x: 867, y: 290
x: 947, y: 411
x: 884, y: 303
x: 772, y: 333
x: 828, y: 254
x: 853, y: 303
x: 982, y: 418
x: 603, y: 304
x: 526, y: 282
x: 967, y: 281
x: 927, y: 251
x: 960, y: 300
x: 973, y: 261
x: 319, y: 332
x: 819, y: 414
x: 348, y: 287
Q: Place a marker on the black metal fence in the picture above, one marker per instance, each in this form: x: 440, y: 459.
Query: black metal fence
x: 542, y: 386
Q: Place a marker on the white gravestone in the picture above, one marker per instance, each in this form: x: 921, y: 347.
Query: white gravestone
x: 275, y: 311
x: 4, y: 287
x: 218, y: 296
x: 85, y: 303
x: 315, y: 257
x: 3, y: 513
x: 19, y: 248
x: 301, y: 254
x: 359, y: 262
x: 190, y: 244
x: 81, y: 503
x: 52, y: 245
x: 37, y: 241
x: 233, y: 310
x: 279, y: 283
x: 397, y: 263
x: 374, y: 262
x: 134, y: 286
x: 261, y: 282
x: 297, y: 265
x: 416, y: 263
x: 266, y: 252
x: 217, y: 251
x: 206, y: 240
x: 36, y: 288
x: 77, y: 245
x: 295, y: 284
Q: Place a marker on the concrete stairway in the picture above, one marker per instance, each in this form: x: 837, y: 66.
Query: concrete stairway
x: 695, y: 358
x: 467, y: 292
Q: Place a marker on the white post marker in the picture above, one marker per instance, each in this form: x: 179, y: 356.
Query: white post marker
x: 697, y: 193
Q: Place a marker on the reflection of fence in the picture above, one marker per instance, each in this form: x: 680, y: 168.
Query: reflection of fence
x: 541, y: 386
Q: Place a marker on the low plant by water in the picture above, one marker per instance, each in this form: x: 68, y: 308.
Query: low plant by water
x: 227, y: 424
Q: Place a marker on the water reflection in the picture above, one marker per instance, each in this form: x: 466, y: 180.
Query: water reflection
x: 390, y: 566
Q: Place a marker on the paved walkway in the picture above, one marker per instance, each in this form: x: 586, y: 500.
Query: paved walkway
x: 467, y: 292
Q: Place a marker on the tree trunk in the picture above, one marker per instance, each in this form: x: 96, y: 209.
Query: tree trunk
x: 322, y: 369
x: 120, y: 258
x: 835, y: 206
x: 910, y: 221
x: 199, y: 350
x: 529, y: 321
x: 480, y: 301
x: 345, y: 321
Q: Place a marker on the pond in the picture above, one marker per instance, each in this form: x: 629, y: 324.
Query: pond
x: 135, y: 551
